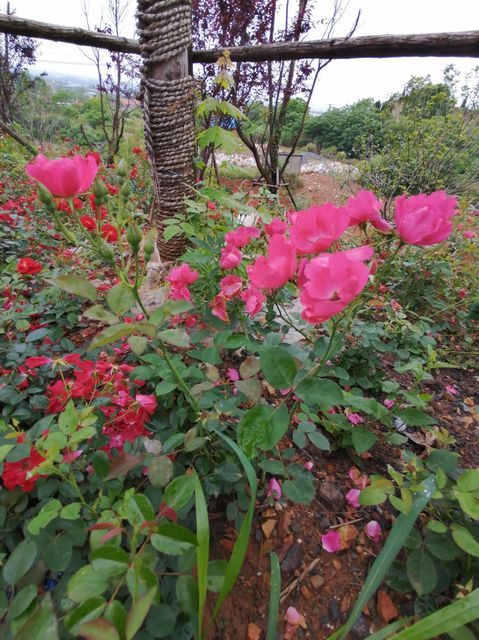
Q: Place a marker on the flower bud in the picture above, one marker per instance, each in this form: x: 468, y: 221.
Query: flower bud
x: 125, y: 189
x: 133, y: 235
x: 99, y: 190
x: 149, y: 244
x: 107, y: 253
x: 122, y: 168
x: 44, y: 195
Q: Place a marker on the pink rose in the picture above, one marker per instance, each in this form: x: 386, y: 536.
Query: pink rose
x: 241, y: 236
x: 316, y: 228
x: 331, y: 541
x: 332, y: 281
x: 275, y: 226
x: 424, y: 220
x: 230, y: 257
x: 373, y: 531
x: 352, y: 498
x: 273, y: 490
x: 64, y: 177
x: 230, y: 286
x: 275, y: 269
x: 253, y: 299
x: 365, y: 207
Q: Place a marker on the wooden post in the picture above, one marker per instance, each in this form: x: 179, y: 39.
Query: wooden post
x: 168, y: 104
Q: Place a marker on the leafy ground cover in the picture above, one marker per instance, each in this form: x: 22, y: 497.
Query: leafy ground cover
x: 302, y: 394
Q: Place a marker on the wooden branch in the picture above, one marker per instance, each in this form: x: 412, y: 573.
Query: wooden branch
x: 454, y: 44
x: 74, y: 35
x: 460, y: 44
x: 18, y: 138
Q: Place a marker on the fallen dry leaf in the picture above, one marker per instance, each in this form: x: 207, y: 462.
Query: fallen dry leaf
x: 268, y: 528
x: 386, y: 608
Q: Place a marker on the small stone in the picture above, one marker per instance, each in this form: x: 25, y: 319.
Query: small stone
x: 332, y: 494
x: 306, y: 592
x: 336, y: 564
x: 283, y: 524
x: 333, y: 610
x: 293, y: 558
x: 360, y: 629
x: 253, y: 632
x: 316, y: 581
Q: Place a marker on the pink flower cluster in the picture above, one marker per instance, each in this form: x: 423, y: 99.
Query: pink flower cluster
x: 327, y: 282
x: 180, y: 278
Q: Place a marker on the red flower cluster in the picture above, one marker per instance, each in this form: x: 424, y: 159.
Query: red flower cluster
x: 19, y: 474
x: 127, y: 411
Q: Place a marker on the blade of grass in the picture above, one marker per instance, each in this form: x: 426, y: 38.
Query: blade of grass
x: 274, y: 594
x: 386, y: 632
x: 395, y: 541
x: 447, y: 619
x: 202, y: 550
x: 241, y: 545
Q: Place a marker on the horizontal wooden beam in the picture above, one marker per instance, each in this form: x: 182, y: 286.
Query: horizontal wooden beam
x: 454, y: 44
x: 462, y: 44
x: 74, y: 35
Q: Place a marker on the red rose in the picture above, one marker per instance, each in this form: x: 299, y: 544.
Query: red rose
x: 28, y: 267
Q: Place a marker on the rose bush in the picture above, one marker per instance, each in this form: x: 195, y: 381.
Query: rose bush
x: 113, y: 445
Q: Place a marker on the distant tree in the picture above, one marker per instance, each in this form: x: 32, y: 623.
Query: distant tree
x: 117, y: 89
x: 423, y: 98
x: 16, y: 55
x: 227, y: 23
x: 348, y: 129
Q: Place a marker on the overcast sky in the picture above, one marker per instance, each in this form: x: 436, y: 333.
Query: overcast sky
x: 342, y: 82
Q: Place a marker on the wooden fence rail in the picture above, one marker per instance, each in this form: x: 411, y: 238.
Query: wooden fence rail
x: 454, y: 44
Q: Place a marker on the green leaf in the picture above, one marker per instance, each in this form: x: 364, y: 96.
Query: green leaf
x: 171, y: 231
x: 320, y: 392
x: 86, y: 583
x: 74, y: 284
x: 98, y: 629
x: 19, y: 561
x: 447, y: 619
x: 299, y: 490
x: 110, y: 560
x: 202, y: 550
x: 465, y: 540
x: 468, y: 480
x: 22, y: 601
x: 187, y: 594
x: 320, y: 441
x: 138, y: 344
x: 274, y: 596
x: 363, y: 439
x: 138, y: 613
x: 421, y: 571
x: 442, y: 460
x: 160, y: 471
x: 394, y: 543
x: 69, y: 419
x: 120, y: 299
x: 251, y: 388
x: 86, y: 611
x: 216, y: 575
x: 46, y: 514
x: 241, y: 545
x: 414, y: 418
x: 118, y: 331
x: 138, y: 510
x: 175, y: 337
x: 274, y: 467
x: 165, y: 387
x: 179, y: 492
x: 57, y: 553
x: 178, y: 532
x: 71, y: 511
x: 101, y: 463
x: 262, y: 427
x: 98, y: 312
x: 41, y: 623
x: 278, y: 366
x: 468, y: 503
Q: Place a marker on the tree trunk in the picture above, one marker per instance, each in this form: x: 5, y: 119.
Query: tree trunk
x: 168, y: 104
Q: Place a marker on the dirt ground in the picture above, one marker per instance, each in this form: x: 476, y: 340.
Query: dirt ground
x: 323, y: 586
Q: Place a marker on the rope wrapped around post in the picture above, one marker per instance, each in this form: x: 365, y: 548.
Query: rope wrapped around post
x: 168, y: 102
